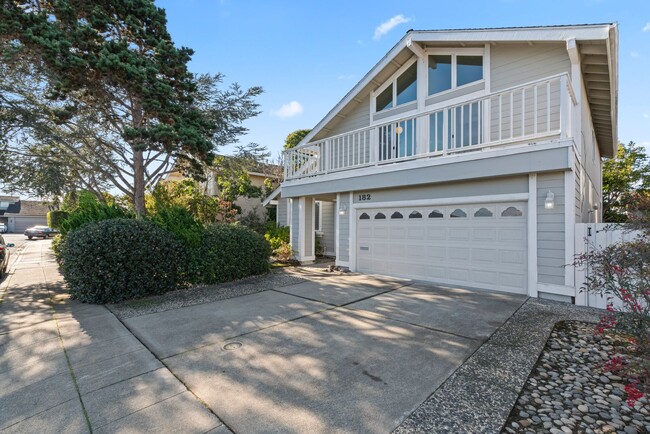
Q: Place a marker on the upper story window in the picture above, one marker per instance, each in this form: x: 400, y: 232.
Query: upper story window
x: 448, y: 71
x: 401, y: 90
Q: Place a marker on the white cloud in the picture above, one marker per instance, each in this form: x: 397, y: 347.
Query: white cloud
x: 646, y: 28
x: 288, y: 110
x: 389, y: 25
x: 634, y: 54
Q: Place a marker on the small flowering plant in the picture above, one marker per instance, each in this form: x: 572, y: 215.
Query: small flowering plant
x: 621, y: 273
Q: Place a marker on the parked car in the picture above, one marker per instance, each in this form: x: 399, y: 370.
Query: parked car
x: 3, y: 228
x: 40, y: 232
x: 4, y: 256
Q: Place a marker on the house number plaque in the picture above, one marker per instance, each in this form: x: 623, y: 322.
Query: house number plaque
x: 364, y: 197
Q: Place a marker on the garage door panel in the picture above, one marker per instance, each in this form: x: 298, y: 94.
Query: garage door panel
x: 416, y: 233
x: 484, y: 234
x: 489, y: 256
x: 485, y: 277
x: 509, y: 280
x: 514, y: 257
x: 459, y: 254
x: 459, y: 234
x: 479, y: 250
x: 436, y: 233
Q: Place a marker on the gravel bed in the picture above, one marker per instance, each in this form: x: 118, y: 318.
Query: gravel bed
x: 207, y: 293
x: 568, y: 391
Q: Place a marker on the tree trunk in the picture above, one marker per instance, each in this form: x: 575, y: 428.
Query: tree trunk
x: 138, y: 183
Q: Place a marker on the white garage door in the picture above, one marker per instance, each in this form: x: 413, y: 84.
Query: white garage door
x: 475, y: 245
x: 22, y: 223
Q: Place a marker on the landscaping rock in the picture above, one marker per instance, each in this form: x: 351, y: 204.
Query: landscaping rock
x: 569, y: 391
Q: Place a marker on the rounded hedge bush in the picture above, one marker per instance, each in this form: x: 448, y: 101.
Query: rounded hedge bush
x: 230, y: 251
x: 119, y: 259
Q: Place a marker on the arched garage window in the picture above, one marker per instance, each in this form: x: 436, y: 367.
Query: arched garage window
x: 458, y: 213
x: 483, y: 212
x: 435, y: 214
x: 415, y: 215
x: 380, y: 216
x: 511, y: 211
x: 397, y: 215
x: 364, y: 216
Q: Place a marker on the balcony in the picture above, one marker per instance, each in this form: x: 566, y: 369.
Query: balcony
x: 533, y: 112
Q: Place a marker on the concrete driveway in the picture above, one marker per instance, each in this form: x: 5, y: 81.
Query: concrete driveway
x: 345, y: 353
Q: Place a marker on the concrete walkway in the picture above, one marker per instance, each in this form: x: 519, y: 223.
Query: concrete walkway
x: 70, y: 367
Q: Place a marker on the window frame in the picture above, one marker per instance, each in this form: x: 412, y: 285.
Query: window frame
x: 454, y: 53
x: 393, y: 81
x: 318, y: 218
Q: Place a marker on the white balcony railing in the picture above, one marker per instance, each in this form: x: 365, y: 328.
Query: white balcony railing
x: 536, y: 110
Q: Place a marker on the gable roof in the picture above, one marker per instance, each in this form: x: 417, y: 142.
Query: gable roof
x: 604, y: 38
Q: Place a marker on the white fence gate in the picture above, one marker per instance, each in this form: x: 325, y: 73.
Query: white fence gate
x: 590, y: 237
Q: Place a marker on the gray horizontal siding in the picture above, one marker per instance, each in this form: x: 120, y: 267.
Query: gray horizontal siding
x: 550, y: 230
x: 510, y: 185
x: 281, y: 212
x: 514, y: 65
x: 358, y: 117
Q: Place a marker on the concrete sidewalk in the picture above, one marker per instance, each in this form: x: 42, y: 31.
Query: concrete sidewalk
x: 70, y: 367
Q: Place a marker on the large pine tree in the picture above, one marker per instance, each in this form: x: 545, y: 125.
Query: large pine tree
x: 102, y: 82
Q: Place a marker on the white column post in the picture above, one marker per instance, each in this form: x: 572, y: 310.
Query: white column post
x: 532, y: 235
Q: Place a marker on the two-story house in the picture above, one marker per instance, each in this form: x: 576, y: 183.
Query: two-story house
x: 464, y: 157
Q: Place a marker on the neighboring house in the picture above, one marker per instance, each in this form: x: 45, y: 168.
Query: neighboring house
x: 247, y: 204
x: 20, y: 214
x: 464, y: 157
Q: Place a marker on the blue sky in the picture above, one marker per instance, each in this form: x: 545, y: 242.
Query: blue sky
x: 308, y: 54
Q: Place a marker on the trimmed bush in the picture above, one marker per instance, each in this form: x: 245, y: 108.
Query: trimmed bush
x: 229, y: 251
x: 119, y: 259
x: 92, y: 212
x: 181, y: 223
x: 55, y: 218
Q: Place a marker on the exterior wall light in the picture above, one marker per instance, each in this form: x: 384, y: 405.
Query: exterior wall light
x: 399, y: 130
x: 549, y: 202
x: 342, y: 209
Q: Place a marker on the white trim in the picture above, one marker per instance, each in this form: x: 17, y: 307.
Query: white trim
x: 569, y: 224
x: 272, y: 196
x: 301, y: 229
x: 454, y: 53
x: 320, y: 216
x: 487, y: 69
x: 312, y: 231
x: 488, y: 198
x: 569, y: 291
x: 336, y: 227
x: 352, y: 242
x: 393, y: 80
x: 423, y: 161
x: 532, y: 235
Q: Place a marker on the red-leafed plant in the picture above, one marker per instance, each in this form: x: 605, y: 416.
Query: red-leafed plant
x: 621, y: 273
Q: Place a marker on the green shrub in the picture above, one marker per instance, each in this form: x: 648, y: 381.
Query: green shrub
x: 229, y: 251
x: 92, y: 212
x: 180, y: 222
x: 55, y: 218
x: 119, y: 259
x: 56, y: 246
x: 276, y: 235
